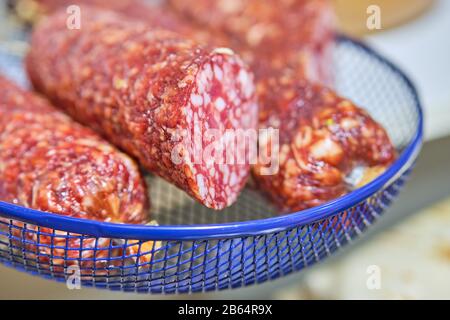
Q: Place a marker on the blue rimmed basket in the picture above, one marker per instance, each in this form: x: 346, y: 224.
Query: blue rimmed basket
x: 194, y: 249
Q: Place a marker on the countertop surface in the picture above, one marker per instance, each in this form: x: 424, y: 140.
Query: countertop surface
x: 409, y: 261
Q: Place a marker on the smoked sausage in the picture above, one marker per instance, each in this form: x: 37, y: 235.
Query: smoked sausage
x: 50, y: 163
x: 145, y: 89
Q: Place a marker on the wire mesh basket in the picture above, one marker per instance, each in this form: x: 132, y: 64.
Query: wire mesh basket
x: 194, y: 249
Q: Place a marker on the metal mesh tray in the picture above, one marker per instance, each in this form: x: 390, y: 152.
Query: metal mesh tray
x: 195, y: 249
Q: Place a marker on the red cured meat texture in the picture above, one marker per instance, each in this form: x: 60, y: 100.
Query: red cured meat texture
x: 155, y: 15
x: 322, y: 138
x: 298, y: 32
x: 279, y: 89
x: 140, y: 88
x: 291, y: 103
x: 247, y: 26
x: 132, y: 8
x: 50, y: 163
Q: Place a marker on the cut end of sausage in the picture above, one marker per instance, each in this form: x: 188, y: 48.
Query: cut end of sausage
x: 221, y: 114
x: 163, y: 99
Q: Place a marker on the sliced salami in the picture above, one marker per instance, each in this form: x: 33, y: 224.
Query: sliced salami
x: 146, y: 90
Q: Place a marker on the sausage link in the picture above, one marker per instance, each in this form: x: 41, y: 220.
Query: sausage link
x: 296, y: 106
x: 276, y: 32
x: 31, y: 11
x: 50, y: 163
x: 249, y: 26
x: 322, y: 138
x: 144, y: 89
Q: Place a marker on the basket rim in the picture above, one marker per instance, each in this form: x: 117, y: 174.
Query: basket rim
x: 236, y: 229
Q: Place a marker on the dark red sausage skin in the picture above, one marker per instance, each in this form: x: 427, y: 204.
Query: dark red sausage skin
x: 274, y: 32
x: 50, y: 163
x: 33, y: 11
x: 323, y: 137
x: 248, y: 26
x: 288, y: 101
x: 139, y: 87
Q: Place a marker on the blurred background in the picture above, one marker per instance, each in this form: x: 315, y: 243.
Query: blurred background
x: 410, y: 246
